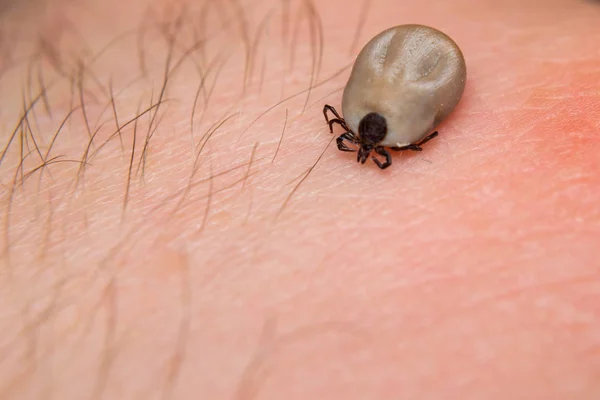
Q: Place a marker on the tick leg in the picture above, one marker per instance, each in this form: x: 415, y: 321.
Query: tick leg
x: 333, y: 111
x: 416, y: 146
x: 340, y: 141
x: 427, y: 138
x: 337, y: 121
x: 386, y: 154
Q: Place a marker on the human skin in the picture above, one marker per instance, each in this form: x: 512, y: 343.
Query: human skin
x: 211, y: 269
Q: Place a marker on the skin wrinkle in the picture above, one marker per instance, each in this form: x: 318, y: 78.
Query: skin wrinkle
x: 375, y: 220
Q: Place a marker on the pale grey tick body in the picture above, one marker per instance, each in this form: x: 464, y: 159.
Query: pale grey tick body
x: 404, y: 82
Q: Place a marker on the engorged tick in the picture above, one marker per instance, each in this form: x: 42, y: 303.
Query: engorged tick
x: 404, y: 82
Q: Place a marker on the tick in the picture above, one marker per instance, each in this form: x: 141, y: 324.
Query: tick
x: 404, y: 82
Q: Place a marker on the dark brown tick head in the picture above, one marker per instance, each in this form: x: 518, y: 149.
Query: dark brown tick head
x: 371, y: 131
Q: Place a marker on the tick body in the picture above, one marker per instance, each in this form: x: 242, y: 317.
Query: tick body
x: 404, y: 82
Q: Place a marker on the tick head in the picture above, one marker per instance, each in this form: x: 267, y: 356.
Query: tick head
x: 371, y: 131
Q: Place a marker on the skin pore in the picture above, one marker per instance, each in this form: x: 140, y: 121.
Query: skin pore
x: 176, y: 221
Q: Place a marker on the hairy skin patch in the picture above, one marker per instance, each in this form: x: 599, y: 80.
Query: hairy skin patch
x: 172, y: 205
